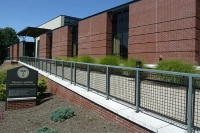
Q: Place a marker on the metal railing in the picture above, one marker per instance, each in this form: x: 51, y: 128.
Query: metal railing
x: 12, y: 58
x: 170, y: 96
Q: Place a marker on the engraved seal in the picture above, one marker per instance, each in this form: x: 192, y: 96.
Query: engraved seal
x: 23, y: 72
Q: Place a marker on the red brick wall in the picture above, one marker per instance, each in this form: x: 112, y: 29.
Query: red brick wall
x: 94, y: 36
x: 61, y: 42
x: 44, y: 46
x: 198, y: 31
x: 14, y: 105
x: 162, y: 27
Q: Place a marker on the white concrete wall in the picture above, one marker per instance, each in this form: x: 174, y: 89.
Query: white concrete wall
x: 52, y: 24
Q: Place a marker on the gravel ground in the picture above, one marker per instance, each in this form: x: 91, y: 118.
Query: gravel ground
x: 31, y: 119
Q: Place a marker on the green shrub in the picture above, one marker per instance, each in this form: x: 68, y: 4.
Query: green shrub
x: 3, y: 73
x: 86, y: 59
x: 131, y: 62
x: 42, y: 85
x: 63, y: 58
x: 176, y: 66
x: 110, y: 60
x: 46, y: 130
x: 61, y: 114
x: 60, y: 59
x: 2, y: 92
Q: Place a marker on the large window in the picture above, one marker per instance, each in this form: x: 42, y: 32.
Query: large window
x: 50, y: 46
x: 74, y: 41
x: 29, y: 49
x: 120, y: 33
x: 38, y: 48
x: 69, y: 20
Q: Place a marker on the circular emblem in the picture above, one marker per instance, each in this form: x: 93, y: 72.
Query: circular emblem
x: 23, y: 72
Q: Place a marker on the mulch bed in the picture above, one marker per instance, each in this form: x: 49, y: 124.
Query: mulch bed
x: 31, y: 119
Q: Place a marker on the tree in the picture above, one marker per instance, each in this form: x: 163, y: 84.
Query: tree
x: 1, y: 37
x: 8, y: 37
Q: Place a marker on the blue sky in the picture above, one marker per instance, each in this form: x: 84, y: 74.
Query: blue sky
x: 19, y: 14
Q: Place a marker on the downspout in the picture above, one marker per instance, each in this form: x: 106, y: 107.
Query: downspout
x: 156, y: 29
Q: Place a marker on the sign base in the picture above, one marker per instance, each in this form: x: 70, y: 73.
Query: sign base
x: 20, y: 104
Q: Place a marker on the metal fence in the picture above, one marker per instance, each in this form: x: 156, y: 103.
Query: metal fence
x: 170, y: 96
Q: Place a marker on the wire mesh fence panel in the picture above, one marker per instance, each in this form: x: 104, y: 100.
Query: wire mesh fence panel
x: 67, y: 71
x: 40, y: 64
x: 197, y: 103
x: 44, y: 65
x: 59, y: 68
x: 81, y: 74
x: 122, y: 86
x: 32, y: 61
x: 98, y: 79
x: 48, y: 62
x: 53, y: 67
x: 164, y: 95
x: 28, y: 61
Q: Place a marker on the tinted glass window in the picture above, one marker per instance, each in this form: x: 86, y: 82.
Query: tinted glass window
x: 74, y: 40
x: 120, y: 33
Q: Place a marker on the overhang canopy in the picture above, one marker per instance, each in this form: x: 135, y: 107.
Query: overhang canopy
x: 32, y: 32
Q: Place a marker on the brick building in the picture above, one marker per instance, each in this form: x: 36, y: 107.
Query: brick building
x: 142, y: 29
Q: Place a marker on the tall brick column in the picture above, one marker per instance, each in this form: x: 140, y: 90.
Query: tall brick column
x: 95, y: 36
x: 61, y: 42
x: 44, y: 48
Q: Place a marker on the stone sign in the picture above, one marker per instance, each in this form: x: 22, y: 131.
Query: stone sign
x: 21, y: 82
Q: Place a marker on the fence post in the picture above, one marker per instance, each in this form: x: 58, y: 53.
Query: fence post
x: 38, y: 63
x: 107, y: 83
x: 56, y: 67
x: 42, y: 64
x: 189, y: 109
x: 62, y: 70
x: 88, y: 77
x: 137, y: 79
x: 46, y: 65
x: 34, y: 61
x: 50, y: 67
x: 71, y: 76
x: 74, y: 74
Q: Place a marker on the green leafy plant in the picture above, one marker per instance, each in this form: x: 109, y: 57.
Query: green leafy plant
x: 86, y: 59
x: 2, y: 92
x: 110, y: 60
x: 61, y: 114
x: 63, y: 58
x: 46, y: 130
x: 175, y: 66
x: 131, y: 62
x: 42, y: 85
x: 3, y: 73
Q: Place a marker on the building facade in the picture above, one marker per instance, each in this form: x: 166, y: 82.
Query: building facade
x: 142, y: 29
